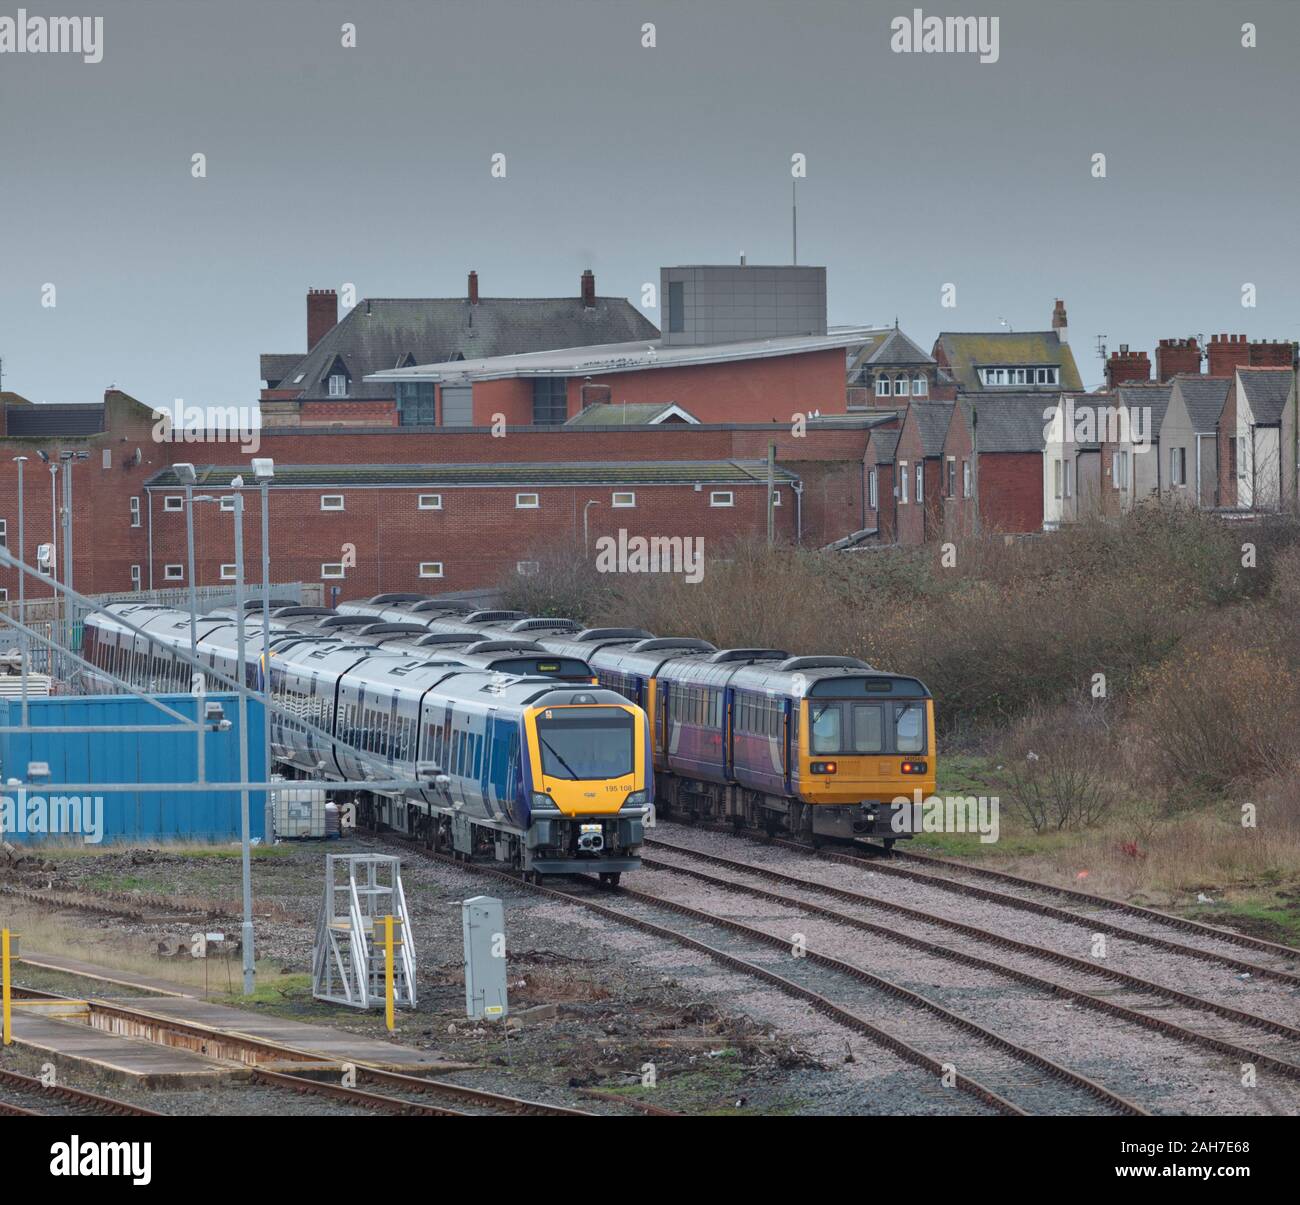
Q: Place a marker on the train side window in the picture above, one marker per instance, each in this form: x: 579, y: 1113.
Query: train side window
x: 826, y: 728
x: 868, y: 728
x: 909, y: 725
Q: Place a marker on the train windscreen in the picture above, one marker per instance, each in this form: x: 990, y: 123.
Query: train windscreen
x: 586, y: 742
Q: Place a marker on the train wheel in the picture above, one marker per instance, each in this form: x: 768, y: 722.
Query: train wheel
x: 610, y: 878
x: 889, y: 843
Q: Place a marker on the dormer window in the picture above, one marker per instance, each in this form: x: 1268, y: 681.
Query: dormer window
x: 338, y: 385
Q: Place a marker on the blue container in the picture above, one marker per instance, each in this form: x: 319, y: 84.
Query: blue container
x: 41, y: 809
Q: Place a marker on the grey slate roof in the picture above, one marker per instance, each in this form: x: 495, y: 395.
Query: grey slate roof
x: 381, y: 333
x: 276, y: 366
x: 1010, y: 422
x: 932, y: 419
x: 968, y: 351
x: 1154, y: 396
x: 886, y: 444
x: 1267, y: 390
x: 54, y: 420
x: 1204, y: 398
x: 892, y: 347
x: 626, y: 414
x: 639, y: 472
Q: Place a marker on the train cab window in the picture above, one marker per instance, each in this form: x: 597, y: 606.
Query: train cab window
x: 826, y: 728
x: 868, y: 728
x: 909, y: 724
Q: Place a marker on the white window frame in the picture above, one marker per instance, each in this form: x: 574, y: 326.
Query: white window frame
x: 716, y: 498
x: 965, y: 479
x: 173, y: 573
x: 776, y: 497
x: 328, y: 571
x: 137, y: 577
x: 429, y: 502
x: 920, y: 386
x: 873, y: 490
x: 228, y: 502
x: 1069, y: 478
x: 338, y: 384
x: 173, y: 502
x: 902, y: 482
x: 4, y: 533
x: 1058, y: 478
x: 135, y: 510
x: 228, y: 572
x: 521, y: 502
x: 628, y: 496
x: 882, y: 386
x: 900, y: 386
x: 526, y: 568
x: 950, y: 477
x: 920, y: 482
x: 324, y: 498
x: 431, y: 569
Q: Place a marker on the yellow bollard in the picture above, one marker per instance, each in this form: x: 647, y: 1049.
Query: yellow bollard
x: 388, y: 974
x: 8, y: 1023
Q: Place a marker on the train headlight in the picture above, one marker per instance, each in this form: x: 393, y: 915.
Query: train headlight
x: 635, y: 799
x: 591, y: 838
x: 823, y: 767
x: 544, y: 803
x: 914, y: 767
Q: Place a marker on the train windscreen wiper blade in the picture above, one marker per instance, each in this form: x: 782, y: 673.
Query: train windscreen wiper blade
x: 572, y: 772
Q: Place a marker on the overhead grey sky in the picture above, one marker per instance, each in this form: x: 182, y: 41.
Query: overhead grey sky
x: 371, y: 165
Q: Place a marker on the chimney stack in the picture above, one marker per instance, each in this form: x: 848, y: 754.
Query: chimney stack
x: 589, y: 289
x: 322, y: 314
x: 1177, y: 357
x: 1127, y: 366
x: 1059, y: 323
x: 473, y: 288
x: 1225, y: 354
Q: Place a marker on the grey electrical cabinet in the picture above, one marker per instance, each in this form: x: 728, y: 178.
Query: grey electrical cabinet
x: 483, y: 921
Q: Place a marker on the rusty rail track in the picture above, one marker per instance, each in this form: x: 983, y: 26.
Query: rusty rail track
x: 94, y: 1104
x: 351, y: 1096
x: 466, y: 1095
x: 885, y: 865
x: 1160, y: 1024
x: 821, y: 1003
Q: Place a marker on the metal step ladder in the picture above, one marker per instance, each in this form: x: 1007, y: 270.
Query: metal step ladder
x: 348, y: 962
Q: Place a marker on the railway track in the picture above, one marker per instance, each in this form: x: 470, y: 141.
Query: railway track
x: 1222, y: 1029
x: 934, y: 877
x: 1009, y: 1078
x: 403, y: 1095
x: 39, y: 1101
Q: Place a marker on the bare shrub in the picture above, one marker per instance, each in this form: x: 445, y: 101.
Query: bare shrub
x: 1056, y: 767
x: 1222, y: 711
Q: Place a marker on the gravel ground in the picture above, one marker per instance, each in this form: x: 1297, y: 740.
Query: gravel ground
x: 1209, y: 980
x: 597, y: 1016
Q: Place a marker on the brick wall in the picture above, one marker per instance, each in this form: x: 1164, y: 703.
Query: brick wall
x: 1177, y: 356
x: 911, y: 514
x: 1011, y: 491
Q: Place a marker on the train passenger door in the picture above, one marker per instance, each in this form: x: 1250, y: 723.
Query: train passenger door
x: 663, y: 690
x: 728, y: 744
x: 787, y: 751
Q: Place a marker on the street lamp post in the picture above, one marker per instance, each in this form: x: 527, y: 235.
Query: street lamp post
x: 186, y: 475
x: 245, y: 839
x: 264, y: 471
x: 22, y: 583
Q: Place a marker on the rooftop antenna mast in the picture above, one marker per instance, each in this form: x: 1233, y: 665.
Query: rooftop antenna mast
x: 1101, y: 347
x: 794, y: 220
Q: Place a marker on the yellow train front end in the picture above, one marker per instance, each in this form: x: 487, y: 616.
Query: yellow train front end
x: 589, y: 781
x: 865, y: 762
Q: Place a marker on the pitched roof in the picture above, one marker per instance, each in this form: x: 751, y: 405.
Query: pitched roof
x: 276, y: 366
x: 382, y: 333
x: 638, y: 472
x: 1009, y: 422
x: 967, y: 351
x: 932, y: 419
x: 1155, y: 397
x: 886, y: 348
x: 886, y: 444
x: 1267, y: 390
x: 630, y: 414
x: 1204, y: 398
x: 54, y: 420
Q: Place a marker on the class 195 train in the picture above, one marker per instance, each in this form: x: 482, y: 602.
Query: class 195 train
x: 516, y: 755
x: 818, y: 747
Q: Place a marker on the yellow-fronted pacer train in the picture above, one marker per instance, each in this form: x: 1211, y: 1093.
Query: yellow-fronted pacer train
x: 544, y: 745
